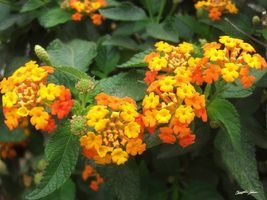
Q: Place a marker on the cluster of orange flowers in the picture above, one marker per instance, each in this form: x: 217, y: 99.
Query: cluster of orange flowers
x: 26, y: 95
x: 217, y: 7
x: 8, y: 149
x: 173, y: 101
x: 117, y: 131
x: 91, y: 172
x: 86, y: 8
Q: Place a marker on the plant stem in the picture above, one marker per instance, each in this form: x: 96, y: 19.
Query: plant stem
x: 84, y: 98
x: 150, y: 9
x: 218, y: 91
x: 162, y: 5
x: 172, y: 10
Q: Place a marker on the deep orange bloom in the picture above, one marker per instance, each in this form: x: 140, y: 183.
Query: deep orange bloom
x: 215, y: 14
x: 77, y: 16
x: 188, y: 140
x: 166, y: 135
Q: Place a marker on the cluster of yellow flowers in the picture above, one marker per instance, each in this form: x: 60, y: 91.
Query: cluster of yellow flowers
x: 26, y: 96
x: 118, y: 130
x: 217, y: 7
x: 86, y: 8
x: 173, y: 100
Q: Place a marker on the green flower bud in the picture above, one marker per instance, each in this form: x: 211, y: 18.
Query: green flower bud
x: 255, y: 21
x: 78, y: 125
x: 202, y: 41
x: 214, y: 124
x: 199, y: 13
x: 42, y: 54
x: 38, y: 177
x: 41, y: 164
x: 85, y: 85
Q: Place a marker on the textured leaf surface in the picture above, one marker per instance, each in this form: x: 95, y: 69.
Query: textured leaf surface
x: 243, y: 167
x: 107, y: 56
x: 75, y: 53
x: 137, y: 60
x: 31, y: 5
x: 164, y: 31
x: 124, y: 12
x: 54, y: 17
x: 123, y: 179
x: 129, y: 84
x: 223, y: 110
x: 200, y: 190
x: 62, y: 152
x: 121, y: 41
x: 72, y: 71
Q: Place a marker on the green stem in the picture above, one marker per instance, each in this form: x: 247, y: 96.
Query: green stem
x: 218, y: 91
x: 84, y: 98
x: 150, y: 9
x: 172, y: 10
x: 162, y: 5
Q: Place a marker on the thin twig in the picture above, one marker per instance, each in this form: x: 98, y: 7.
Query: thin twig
x: 241, y: 31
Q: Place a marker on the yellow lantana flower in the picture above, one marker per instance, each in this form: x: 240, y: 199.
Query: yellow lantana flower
x: 119, y: 156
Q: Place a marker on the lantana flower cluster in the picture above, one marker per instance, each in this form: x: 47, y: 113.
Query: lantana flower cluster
x: 85, y: 8
x: 26, y: 96
x: 117, y: 130
x: 217, y: 7
x: 173, y: 101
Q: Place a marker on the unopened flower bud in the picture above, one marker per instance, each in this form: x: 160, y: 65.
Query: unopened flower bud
x: 255, y: 21
x: 214, y: 124
x: 202, y: 41
x: 38, y: 177
x: 78, y: 125
x: 42, y: 54
x: 85, y: 85
x: 41, y: 164
x: 199, y: 13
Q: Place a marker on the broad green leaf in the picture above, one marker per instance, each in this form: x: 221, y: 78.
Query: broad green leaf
x: 137, y: 60
x: 200, y: 190
x: 124, y: 12
x: 123, y: 179
x: 4, y: 11
x: 54, y: 17
x: 164, y: 31
x: 239, y: 20
x: 72, y: 71
x: 224, y: 111
x: 75, y: 53
x: 65, y: 192
x: 129, y: 28
x: 62, y: 152
x: 32, y: 5
x: 242, y: 167
x: 121, y: 41
x: 107, y: 56
x: 264, y: 33
x: 202, y: 136
x: 200, y: 28
x: 183, y: 30
x: 237, y: 90
x: 129, y: 84
x: 158, y: 190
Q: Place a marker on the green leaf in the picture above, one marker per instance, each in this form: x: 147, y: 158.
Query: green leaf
x: 200, y: 28
x: 158, y: 190
x: 54, y: 17
x: 239, y: 20
x: 223, y: 110
x: 237, y: 90
x: 32, y: 5
x: 121, y: 41
x: 62, y: 152
x: 4, y: 11
x: 107, y: 56
x: 65, y: 192
x: 76, y: 53
x: 123, y: 179
x: 129, y: 28
x: 137, y: 60
x: 72, y: 71
x: 124, y: 12
x: 242, y: 167
x: 129, y: 84
x: 164, y: 31
x: 183, y: 30
x: 200, y: 190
